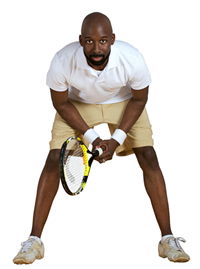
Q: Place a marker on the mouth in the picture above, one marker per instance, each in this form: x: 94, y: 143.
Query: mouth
x: 96, y: 58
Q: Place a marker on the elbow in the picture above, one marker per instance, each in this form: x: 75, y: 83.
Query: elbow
x: 55, y: 105
x: 59, y: 99
x: 141, y: 102
x: 59, y: 107
x: 145, y: 100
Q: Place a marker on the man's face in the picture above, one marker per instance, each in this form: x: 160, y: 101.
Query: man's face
x: 96, y: 41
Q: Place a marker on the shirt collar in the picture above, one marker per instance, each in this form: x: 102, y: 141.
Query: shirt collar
x: 112, y: 62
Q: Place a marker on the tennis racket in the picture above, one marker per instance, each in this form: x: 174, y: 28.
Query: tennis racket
x: 74, y: 164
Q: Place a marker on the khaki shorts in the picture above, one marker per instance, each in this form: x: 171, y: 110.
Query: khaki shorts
x: 140, y: 135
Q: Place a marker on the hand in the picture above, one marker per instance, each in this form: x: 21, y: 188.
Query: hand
x: 109, y: 147
x: 95, y: 143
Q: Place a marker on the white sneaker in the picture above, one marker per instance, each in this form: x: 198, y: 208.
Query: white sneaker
x: 31, y: 249
x: 172, y: 249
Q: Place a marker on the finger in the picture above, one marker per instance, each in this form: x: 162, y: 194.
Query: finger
x: 105, y: 157
x: 103, y: 161
x: 103, y: 146
x: 100, y: 157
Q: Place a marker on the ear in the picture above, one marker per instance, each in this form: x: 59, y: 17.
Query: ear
x: 113, y: 39
x: 80, y: 40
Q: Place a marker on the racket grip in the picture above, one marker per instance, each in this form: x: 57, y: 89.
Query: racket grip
x: 98, y: 151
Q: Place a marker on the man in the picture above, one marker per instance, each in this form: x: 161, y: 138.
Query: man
x: 93, y: 81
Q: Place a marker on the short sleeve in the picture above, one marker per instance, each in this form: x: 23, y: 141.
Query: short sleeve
x: 55, y: 76
x: 141, y: 77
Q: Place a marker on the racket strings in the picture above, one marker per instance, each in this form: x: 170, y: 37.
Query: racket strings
x: 74, y: 166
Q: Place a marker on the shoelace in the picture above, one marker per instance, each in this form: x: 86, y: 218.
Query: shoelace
x: 26, y: 246
x: 174, y: 243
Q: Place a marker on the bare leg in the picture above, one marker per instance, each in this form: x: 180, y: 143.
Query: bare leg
x: 47, y: 189
x: 155, y: 186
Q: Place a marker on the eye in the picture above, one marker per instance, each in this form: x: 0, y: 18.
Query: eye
x: 89, y: 41
x: 103, y: 41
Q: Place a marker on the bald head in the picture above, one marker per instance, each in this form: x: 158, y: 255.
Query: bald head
x: 96, y: 39
x: 96, y: 19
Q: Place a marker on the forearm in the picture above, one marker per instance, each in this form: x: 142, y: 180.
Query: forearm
x: 132, y: 113
x: 72, y: 117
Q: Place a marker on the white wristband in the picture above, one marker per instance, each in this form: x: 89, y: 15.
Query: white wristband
x: 119, y: 136
x: 90, y: 135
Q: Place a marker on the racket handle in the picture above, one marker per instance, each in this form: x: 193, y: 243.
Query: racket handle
x: 98, y: 151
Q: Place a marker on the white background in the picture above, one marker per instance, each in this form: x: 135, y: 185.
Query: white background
x: 111, y: 224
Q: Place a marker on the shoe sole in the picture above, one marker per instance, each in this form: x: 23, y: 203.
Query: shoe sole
x: 21, y: 261
x: 178, y: 260
x: 162, y: 253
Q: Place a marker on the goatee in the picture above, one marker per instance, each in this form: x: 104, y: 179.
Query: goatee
x: 97, y: 63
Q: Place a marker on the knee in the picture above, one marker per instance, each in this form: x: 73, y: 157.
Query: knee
x: 52, y: 161
x: 147, y: 158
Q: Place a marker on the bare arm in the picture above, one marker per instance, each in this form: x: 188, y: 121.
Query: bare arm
x: 68, y: 111
x: 134, y: 109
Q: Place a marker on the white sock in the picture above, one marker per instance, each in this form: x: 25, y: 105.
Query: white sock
x: 165, y: 237
x: 37, y: 239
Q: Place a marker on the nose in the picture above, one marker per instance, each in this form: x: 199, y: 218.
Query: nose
x: 96, y: 48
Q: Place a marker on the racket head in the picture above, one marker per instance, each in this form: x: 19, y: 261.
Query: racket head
x: 74, y: 167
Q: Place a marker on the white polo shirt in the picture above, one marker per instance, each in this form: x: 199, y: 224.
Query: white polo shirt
x: 125, y: 69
